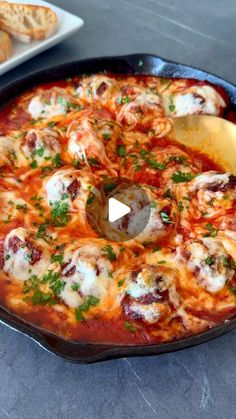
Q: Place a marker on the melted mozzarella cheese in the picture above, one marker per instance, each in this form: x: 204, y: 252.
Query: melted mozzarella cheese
x: 145, y: 283
x: 41, y: 145
x: 11, y: 205
x: 17, y: 264
x: 208, y: 178
x: 91, y: 270
x: 150, y: 312
x: 207, y: 262
x: 41, y: 108
x: 10, y: 151
x: 6, y: 148
x: 195, y: 100
x: 56, y: 187
x: 84, y: 143
x: 98, y: 87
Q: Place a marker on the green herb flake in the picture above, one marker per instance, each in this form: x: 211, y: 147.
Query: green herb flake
x: 107, y: 136
x: 90, y: 302
x: 91, y: 198
x: 180, y: 206
x: 123, y: 100
x: 57, y: 258
x: 59, y: 214
x: 121, y: 283
x: 108, y: 249
x: 209, y: 260
x: 22, y: 207
x: 62, y: 101
x: 39, y: 152
x: 130, y: 327
x: 228, y: 263
x: 51, y: 124
x: 121, y: 151
x: 153, y: 164
x: 75, y: 287
x: 109, y: 186
x: 165, y: 218
x: 212, y: 232
x: 34, y: 164
x: 180, y: 177
x: 171, y: 104
x: 57, y: 160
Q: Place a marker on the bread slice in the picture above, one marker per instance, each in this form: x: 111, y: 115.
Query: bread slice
x: 27, y: 22
x: 5, y: 46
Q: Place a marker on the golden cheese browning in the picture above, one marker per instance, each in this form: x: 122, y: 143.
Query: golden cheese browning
x: 57, y: 143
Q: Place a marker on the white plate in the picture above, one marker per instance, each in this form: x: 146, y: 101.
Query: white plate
x: 68, y: 24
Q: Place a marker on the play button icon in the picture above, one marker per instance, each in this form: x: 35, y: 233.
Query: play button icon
x: 116, y: 210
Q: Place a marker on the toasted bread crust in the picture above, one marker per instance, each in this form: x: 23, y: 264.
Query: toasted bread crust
x: 27, y: 22
x: 5, y: 46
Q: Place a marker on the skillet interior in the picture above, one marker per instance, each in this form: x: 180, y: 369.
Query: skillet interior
x: 132, y: 64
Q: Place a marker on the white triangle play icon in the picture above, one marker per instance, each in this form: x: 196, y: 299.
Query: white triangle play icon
x: 116, y: 209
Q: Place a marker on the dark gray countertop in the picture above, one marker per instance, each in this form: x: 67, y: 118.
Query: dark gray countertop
x: 196, y: 383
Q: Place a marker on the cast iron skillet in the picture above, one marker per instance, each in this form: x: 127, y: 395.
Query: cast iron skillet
x: 131, y: 64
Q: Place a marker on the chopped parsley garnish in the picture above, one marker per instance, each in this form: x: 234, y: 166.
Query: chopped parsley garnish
x: 171, y: 104
x: 57, y: 160
x: 233, y: 290
x: 121, y: 151
x: 123, y: 100
x: 39, y: 152
x: 107, y: 136
x: 77, y: 164
x: 177, y: 159
x: 161, y: 262
x: 76, y: 107
x: 42, y: 232
x: 180, y: 177
x: 91, y: 302
x: 109, y: 186
x: 212, y: 232
x: 57, y: 258
x: 42, y: 298
x: 75, y: 287
x: 153, y: 164
x: 153, y: 205
x: 228, y: 263
x: 62, y: 101
x: 38, y: 297
x: 54, y: 281
x: 37, y: 204
x: 130, y: 327
x: 90, y: 198
x: 180, y: 206
x: 209, y: 260
x: 93, y: 162
x: 34, y: 164
x: 165, y: 217
x: 59, y: 214
x: 22, y: 207
x: 51, y: 124
x: 108, y: 249
x: 121, y: 283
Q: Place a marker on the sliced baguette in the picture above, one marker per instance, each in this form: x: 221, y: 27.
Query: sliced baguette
x: 5, y: 46
x: 27, y: 22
